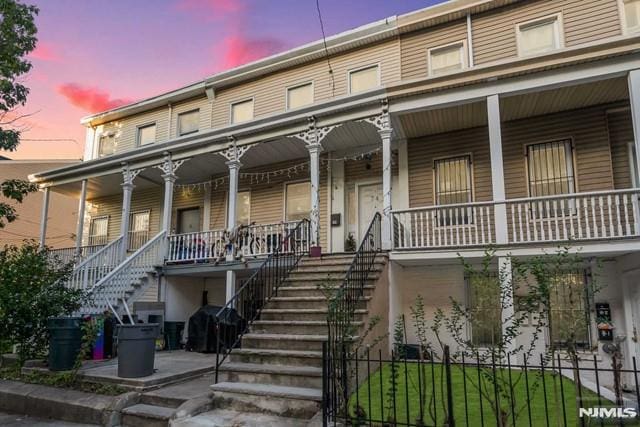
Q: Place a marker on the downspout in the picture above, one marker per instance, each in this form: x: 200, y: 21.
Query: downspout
x: 469, y: 41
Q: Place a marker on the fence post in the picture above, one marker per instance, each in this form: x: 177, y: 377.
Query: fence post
x: 447, y: 369
x: 324, y: 384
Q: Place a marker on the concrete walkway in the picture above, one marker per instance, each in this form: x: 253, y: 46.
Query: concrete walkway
x: 226, y: 418
x: 13, y: 420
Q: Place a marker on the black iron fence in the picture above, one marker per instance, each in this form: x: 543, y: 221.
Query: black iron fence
x: 367, y: 389
x: 233, y: 320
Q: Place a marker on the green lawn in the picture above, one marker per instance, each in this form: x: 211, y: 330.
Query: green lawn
x: 375, y: 399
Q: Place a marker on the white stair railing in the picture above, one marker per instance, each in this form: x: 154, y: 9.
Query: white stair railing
x: 119, y: 283
x: 95, y: 267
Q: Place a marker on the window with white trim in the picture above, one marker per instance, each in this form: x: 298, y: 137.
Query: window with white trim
x: 98, y: 230
x: 188, y: 122
x: 147, y: 134
x: 550, y: 168
x: 242, y: 111
x: 364, y: 79
x: 540, y: 36
x: 631, y: 13
x: 453, y: 186
x: 243, y: 208
x: 107, y: 145
x: 298, y: 201
x: 633, y: 165
x: 299, y: 96
x: 569, y: 309
x: 484, y: 309
x: 446, y: 59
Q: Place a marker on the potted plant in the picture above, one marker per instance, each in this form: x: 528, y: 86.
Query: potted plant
x: 350, y: 243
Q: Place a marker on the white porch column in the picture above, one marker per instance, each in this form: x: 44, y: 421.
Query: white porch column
x: 314, y: 169
x: 127, y: 190
x: 81, y: 209
x: 43, y: 218
x: 234, y: 168
x: 497, y: 168
x: 168, y: 168
x: 506, y: 293
x: 634, y: 97
x: 385, y: 135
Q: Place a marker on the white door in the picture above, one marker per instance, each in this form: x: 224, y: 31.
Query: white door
x: 369, y: 202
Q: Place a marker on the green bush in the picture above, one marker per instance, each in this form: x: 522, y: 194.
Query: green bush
x: 32, y: 290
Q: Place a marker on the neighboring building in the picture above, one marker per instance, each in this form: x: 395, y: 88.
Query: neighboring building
x: 63, y: 210
x: 465, y: 124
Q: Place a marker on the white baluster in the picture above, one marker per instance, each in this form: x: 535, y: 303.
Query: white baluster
x: 618, y: 216
x: 625, y: 203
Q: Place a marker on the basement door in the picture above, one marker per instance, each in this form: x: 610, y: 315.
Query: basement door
x: 369, y: 202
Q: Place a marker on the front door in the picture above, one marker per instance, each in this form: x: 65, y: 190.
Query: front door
x: 188, y: 220
x: 369, y: 202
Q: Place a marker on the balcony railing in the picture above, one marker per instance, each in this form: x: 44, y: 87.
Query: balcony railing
x: 67, y: 255
x: 253, y: 240
x: 602, y: 215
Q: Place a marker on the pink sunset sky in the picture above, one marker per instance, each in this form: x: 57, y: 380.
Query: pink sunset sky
x: 95, y: 55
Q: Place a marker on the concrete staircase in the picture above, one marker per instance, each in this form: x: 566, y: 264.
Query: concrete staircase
x: 278, y: 369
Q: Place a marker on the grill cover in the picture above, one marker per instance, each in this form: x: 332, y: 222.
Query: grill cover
x: 202, y: 330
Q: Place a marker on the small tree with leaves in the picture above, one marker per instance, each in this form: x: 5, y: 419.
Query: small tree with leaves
x: 17, y: 39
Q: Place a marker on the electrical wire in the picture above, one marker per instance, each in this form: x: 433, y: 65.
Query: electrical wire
x: 326, y: 50
x: 51, y: 140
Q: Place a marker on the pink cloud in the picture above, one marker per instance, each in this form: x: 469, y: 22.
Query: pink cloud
x: 89, y: 98
x: 210, y: 9
x: 45, y: 51
x: 236, y: 50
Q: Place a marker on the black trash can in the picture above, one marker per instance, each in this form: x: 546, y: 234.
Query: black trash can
x: 65, y: 340
x: 136, y: 349
x: 173, y: 335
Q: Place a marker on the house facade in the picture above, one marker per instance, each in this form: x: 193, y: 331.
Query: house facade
x: 467, y: 125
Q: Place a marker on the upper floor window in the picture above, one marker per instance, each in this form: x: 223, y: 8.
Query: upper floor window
x: 98, y: 230
x: 147, y: 134
x: 631, y: 14
x: 188, y: 122
x: 298, y: 201
x: 107, y: 145
x: 446, y: 59
x: 550, y: 168
x: 242, y: 111
x: 453, y: 186
x: 539, y: 36
x: 364, y: 79
x: 299, y: 96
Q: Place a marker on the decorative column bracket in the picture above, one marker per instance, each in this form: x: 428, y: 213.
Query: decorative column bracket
x: 233, y: 152
x: 128, y: 174
x: 169, y: 166
x: 381, y: 121
x: 314, y: 135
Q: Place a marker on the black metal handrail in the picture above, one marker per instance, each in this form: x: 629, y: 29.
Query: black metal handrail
x: 249, y: 300
x: 340, y: 317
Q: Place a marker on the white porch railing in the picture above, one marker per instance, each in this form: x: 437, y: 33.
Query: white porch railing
x: 121, y: 282
x: 253, y: 240
x: 576, y: 217
x: 137, y: 239
x: 95, y: 267
x: 67, y: 255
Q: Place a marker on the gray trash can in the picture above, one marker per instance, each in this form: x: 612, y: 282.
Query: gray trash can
x: 136, y: 349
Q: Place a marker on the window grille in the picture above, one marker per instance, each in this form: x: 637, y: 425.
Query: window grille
x: 453, y: 186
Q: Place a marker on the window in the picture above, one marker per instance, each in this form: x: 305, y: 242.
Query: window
x: 631, y: 14
x: 569, y: 309
x: 446, y: 59
x: 364, y: 79
x: 539, y: 36
x: 453, y: 185
x: 298, y: 201
x: 188, y: 122
x: 147, y: 134
x: 107, y: 145
x: 299, y: 96
x: 243, y: 208
x: 242, y: 111
x: 633, y: 165
x: 98, y: 230
x: 138, y: 229
x: 485, y: 314
x: 550, y: 168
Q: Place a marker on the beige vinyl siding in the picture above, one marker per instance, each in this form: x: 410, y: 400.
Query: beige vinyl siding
x: 218, y: 218
x: 269, y: 92
x: 127, y: 129
x: 620, y: 135
x: 588, y: 130
x: 414, y: 46
x: 201, y: 103
x: 149, y: 199
x: 583, y: 21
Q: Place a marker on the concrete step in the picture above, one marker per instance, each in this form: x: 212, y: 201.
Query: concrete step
x: 176, y: 394
x: 297, y: 314
x: 283, y: 375
x: 294, y: 402
x: 142, y: 415
x: 306, y: 327
x: 276, y: 357
x: 320, y: 276
x: 305, y: 302
x: 224, y: 417
x: 315, y: 291
x: 334, y: 270
x: 284, y: 341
